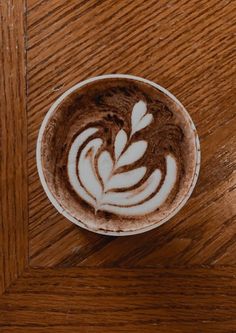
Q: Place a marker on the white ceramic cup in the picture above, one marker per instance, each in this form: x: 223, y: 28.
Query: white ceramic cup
x: 66, y: 213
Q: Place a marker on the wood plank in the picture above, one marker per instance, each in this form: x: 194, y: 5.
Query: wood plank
x: 13, y: 131
x: 185, y: 46
x: 122, y: 300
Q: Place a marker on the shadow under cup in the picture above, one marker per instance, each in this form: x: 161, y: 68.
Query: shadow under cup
x: 118, y: 155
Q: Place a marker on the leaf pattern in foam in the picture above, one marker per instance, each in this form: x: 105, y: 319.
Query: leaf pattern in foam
x: 139, y: 110
x: 105, y: 166
x: 134, y: 196
x: 139, y: 118
x: 133, y: 153
x: 126, y: 179
x: 120, y: 143
x: 144, y: 122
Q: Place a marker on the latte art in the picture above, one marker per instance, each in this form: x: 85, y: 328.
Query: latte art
x: 117, y: 154
x: 95, y: 176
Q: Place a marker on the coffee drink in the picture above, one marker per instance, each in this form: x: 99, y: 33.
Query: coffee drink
x: 118, y: 154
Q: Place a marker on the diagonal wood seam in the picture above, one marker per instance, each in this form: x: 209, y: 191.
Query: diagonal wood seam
x: 13, y: 121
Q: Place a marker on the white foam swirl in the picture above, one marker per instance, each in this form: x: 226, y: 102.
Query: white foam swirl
x: 94, y: 177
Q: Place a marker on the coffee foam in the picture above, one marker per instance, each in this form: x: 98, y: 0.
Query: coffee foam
x: 118, y: 155
x: 95, y: 177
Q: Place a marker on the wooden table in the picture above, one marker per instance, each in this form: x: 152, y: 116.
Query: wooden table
x: 56, y: 277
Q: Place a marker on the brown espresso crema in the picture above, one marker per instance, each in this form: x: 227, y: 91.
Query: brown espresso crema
x: 118, y: 155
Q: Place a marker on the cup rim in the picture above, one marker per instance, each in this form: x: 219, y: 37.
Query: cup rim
x: 55, y: 202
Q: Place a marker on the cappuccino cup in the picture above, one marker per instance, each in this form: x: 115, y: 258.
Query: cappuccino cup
x: 118, y: 155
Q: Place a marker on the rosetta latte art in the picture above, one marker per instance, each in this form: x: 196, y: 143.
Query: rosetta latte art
x: 95, y: 177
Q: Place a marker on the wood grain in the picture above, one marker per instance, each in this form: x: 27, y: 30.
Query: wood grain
x: 122, y: 300
x: 187, y: 47
x: 13, y: 131
x: 179, y: 278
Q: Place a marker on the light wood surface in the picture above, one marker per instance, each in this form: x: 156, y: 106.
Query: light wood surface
x: 177, y: 278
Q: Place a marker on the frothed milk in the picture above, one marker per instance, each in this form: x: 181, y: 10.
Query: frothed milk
x: 118, y: 154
